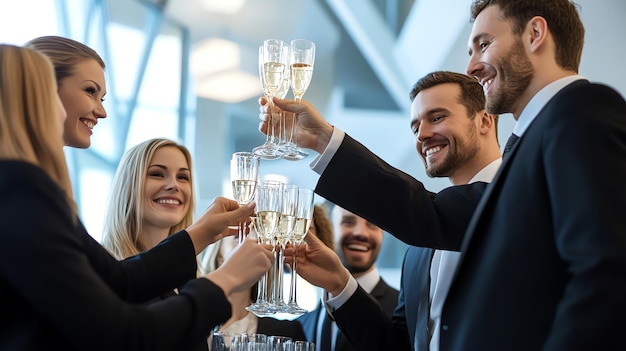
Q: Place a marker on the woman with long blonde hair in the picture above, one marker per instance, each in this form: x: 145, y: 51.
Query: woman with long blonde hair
x: 56, y: 282
x: 152, y: 197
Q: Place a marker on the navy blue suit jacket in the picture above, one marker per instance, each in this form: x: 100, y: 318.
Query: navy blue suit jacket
x: 413, y: 310
x: 544, y: 254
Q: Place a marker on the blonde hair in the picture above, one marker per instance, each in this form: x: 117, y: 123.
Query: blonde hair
x: 28, y: 130
x: 124, y: 213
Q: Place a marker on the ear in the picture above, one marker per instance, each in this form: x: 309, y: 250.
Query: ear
x: 487, y: 122
x: 537, y: 30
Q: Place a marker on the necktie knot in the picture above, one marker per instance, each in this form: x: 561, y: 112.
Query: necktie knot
x: 509, y: 143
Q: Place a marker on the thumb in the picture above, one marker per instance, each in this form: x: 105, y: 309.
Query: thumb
x: 312, y: 241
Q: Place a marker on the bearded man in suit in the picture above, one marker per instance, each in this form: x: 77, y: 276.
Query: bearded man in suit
x: 543, y: 249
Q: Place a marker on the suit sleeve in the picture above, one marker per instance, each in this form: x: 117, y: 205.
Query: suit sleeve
x: 405, y: 208
x: 44, y: 263
x: 146, y: 275
x: 367, y: 326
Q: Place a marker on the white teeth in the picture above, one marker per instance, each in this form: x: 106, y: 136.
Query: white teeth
x: 487, y: 84
x: 432, y: 150
x: 358, y: 247
x: 88, y: 123
x: 168, y: 201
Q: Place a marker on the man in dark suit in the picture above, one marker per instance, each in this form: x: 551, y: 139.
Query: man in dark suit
x: 543, y: 262
x: 358, y: 243
x: 455, y: 138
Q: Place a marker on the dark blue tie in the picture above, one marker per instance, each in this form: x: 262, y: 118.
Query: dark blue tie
x: 509, y: 143
x: 327, y: 334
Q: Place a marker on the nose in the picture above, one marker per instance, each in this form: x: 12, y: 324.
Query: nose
x: 474, y: 67
x: 100, y: 111
x: 423, y: 133
x: 171, y: 184
x: 360, y: 228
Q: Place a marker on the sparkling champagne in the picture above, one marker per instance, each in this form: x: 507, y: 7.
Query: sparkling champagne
x: 300, y: 229
x: 243, y: 191
x: 285, y: 227
x: 272, y: 76
x: 301, y: 74
x: 267, y: 223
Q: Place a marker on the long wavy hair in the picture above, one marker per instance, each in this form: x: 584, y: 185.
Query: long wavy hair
x: 124, y: 214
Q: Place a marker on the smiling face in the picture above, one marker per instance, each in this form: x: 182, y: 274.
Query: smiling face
x: 499, y: 60
x: 82, y: 93
x: 446, y: 138
x: 167, y: 190
x: 358, y: 240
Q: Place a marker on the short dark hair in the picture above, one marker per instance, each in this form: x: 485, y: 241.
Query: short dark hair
x: 563, y: 22
x: 472, y: 95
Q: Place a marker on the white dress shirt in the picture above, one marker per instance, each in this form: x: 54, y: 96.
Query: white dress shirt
x: 443, y: 266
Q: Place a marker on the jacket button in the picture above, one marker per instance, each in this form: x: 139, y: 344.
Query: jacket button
x: 444, y: 327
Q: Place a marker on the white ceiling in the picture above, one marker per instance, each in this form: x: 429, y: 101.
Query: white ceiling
x: 369, y: 54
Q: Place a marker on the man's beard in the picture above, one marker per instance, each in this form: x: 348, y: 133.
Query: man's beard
x: 464, y: 150
x: 515, y: 74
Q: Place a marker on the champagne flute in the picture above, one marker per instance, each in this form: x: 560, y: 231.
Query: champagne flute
x: 283, y: 134
x: 304, y: 217
x: 285, y: 228
x: 244, y: 174
x: 301, y: 60
x: 273, y: 56
x: 269, y: 198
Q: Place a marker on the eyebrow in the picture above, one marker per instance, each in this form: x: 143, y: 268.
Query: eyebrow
x: 164, y: 167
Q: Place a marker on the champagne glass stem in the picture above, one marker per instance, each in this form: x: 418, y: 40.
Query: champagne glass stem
x: 293, y: 138
x: 270, y: 124
x: 241, y: 231
x: 294, y: 275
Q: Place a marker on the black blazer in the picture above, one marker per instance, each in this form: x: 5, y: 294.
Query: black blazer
x: 61, y: 290
x: 273, y: 326
x: 384, y: 296
x: 544, y: 264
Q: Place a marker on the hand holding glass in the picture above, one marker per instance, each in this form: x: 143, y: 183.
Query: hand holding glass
x: 301, y: 60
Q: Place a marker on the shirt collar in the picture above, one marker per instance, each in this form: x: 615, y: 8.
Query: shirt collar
x: 487, y: 173
x: 539, y: 101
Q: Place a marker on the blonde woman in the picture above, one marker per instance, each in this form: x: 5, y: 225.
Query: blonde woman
x: 152, y: 197
x: 56, y: 282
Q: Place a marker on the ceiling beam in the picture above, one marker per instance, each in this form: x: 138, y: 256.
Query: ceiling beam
x: 367, y: 28
x: 426, y: 38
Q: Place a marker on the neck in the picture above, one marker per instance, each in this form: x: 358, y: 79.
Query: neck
x: 150, y: 237
x: 360, y: 274
x: 465, y: 174
x: 539, y: 82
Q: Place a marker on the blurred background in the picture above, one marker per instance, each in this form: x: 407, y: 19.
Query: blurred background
x: 187, y: 70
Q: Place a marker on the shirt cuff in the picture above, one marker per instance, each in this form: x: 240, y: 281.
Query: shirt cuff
x: 332, y: 303
x: 322, y: 160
